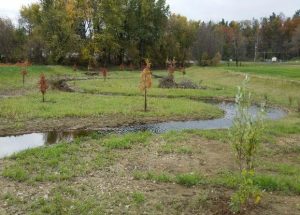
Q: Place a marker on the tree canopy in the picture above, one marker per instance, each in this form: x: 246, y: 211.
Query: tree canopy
x: 98, y: 33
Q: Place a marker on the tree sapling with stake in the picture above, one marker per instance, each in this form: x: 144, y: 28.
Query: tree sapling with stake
x: 43, y: 85
x: 146, y: 81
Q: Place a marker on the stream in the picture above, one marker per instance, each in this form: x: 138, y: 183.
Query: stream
x: 13, y: 144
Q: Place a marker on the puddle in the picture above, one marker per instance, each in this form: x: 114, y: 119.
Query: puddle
x: 13, y: 144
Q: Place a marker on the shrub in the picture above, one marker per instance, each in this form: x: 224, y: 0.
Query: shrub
x: 188, y: 180
x: 216, y: 59
x: 246, y: 132
x: 246, y: 194
x: 138, y: 197
x: 205, y: 61
x: 245, y: 136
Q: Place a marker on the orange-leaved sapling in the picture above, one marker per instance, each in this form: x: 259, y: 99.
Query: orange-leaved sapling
x: 43, y: 85
x: 104, y: 72
x: 171, y: 67
x: 24, y: 71
x: 146, y: 81
x: 122, y: 66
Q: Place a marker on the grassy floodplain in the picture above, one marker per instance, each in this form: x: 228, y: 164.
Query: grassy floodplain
x: 189, y: 172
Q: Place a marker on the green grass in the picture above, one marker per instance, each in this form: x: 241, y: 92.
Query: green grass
x: 220, y: 82
x: 172, y: 148
x: 64, y: 161
x: 61, y: 105
x: 283, y: 168
x: 138, y: 197
x: 289, y: 184
x: 58, y: 162
x: 127, y: 83
x: 63, y: 204
x: 126, y: 141
x: 189, y: 180
x: 11, y: 78
x: 153, y: 176
x: 283, y: 183
x: 279, y: 70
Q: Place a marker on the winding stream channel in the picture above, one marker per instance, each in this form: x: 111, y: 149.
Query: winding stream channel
x: 13, y: 144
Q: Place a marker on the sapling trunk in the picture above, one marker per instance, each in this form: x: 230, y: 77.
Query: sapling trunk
x: 145, y: 100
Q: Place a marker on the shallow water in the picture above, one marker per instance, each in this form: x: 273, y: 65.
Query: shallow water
x: 13, y: 144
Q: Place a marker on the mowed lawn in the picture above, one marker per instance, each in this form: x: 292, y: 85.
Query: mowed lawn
x: 280, y: 70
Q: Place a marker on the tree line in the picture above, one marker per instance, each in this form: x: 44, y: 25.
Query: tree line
x: 99, y: 33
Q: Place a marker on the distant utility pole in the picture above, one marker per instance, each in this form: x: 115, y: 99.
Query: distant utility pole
x: 255, y: 52
x: 255, y: 48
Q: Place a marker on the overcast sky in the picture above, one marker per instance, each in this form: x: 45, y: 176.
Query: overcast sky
x: 232, y: 9
x: 197, y: 9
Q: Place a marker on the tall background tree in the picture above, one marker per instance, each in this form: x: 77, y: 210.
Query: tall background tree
x: 99, y: 33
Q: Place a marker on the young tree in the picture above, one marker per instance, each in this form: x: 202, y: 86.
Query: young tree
x: 216, y: 59
x: 43, y: 85
x: 122, y: 66
x: 104, y: 72
x: 205, y: 61
x: 245, y: 136
x: 172, y: 67
x: 146, y: 81
x: 24, y: 73
x: 247, y: 129
x: 24, y: 66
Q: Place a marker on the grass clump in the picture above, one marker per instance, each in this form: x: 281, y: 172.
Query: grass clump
x: 152, y: 176
x: 270, y: 182
x: 138, y: 197
x: 220, y: 135
x: 126, y: 141
x: 189, y: 180
x: 285, y: 183
x: 58, y: 203
x: 174, y: 137
x: 16, y: 173
x: 173, y: 149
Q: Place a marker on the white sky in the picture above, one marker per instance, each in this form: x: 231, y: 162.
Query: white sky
x: 215, y: 10
x: 196, y: 9
x: 10, y: 8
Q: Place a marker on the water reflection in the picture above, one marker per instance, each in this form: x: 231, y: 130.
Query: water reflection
x: 12, y: 144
